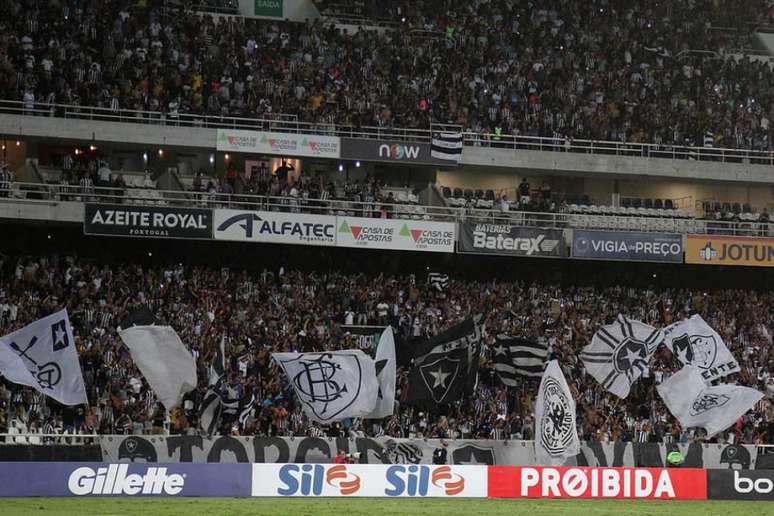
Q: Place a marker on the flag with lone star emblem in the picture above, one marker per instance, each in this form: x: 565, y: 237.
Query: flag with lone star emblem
x: 385, y: 373
x: 445, y: 368
x: 42, y: 355
x: 619, y: 354
x: 696, y: 404
x: 556, y: 436
x: 695, y: 343
x: 439, y: 378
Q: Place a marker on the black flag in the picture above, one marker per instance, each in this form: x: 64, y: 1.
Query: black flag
x: 445, y: 368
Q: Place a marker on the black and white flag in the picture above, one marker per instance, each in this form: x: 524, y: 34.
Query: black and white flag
x: 695, y: 343
x: 163, y: 360
x: 447, y: 146
x: 385, y: 367
x: 619, y: 354
x: 514, y: 357
x: 439, y: 378
x: 42, y: 355
x: 438, y: 281
x: 211, y: 410
x: 556, y: 436
x: 334, y: 385
x: 695, y: 404
x: 246, y: 410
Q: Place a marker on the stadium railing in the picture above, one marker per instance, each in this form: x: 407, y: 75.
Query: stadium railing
x: 290, y: 124
x: 52, y: 194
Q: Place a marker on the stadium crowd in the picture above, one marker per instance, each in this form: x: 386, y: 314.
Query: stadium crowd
x: 284, y: 310
x: 622, y: 70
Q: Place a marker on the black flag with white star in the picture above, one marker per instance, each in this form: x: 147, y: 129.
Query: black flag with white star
x: 439, y: 378
x: 447, y: 369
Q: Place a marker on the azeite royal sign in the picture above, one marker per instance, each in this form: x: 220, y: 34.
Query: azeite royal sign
x: 147, y: 221
x: 729, y: 250
x: 506, y: 239
x: 582, y: 482
x: 395, y: 234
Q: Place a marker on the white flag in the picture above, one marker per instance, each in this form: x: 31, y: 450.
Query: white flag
x: 713, y: 408
x: 42, y: 355
x: 385, y: 373
x: 619, y: 354
x: 696, y: 343
x: 556, y: 436
x: 334, y: 385
x: 163, y: 360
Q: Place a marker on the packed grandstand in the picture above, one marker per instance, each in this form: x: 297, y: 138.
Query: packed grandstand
x: 640, y: 72
x: 478, y: 239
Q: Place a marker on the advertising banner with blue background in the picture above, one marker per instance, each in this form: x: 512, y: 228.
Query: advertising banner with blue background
x: 627, y: 246
x: 104, y: 479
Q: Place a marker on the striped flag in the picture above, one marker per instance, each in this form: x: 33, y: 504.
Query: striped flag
x: 515, y: 357
x: 619, y: 354
x: 212, y: 406
x: 447, y: 146
x: 438, y: 281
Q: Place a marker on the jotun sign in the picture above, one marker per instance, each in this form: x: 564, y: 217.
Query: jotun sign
x: 729, y: 250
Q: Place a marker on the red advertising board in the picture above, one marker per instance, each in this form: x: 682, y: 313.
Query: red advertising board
x: 580, y: 482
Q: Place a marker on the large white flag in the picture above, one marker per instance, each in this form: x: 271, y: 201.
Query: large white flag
x: 385, y: 373
x: 332, y: 385
x: 696, y: 343
x: 619, y: 354
x: 163, y: 360
x: 556, y: 436
x: 42, y: 355
x: 694, y: 403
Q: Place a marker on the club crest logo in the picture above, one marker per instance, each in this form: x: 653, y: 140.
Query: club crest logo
x: 439, y: 376
x: 319, y: 384
x: 699, y: 350
x: 706, y: 401
x: 629, y: 354
x: 556, y: 424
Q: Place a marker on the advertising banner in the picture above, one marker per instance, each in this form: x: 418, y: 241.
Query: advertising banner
x: 395, y: 234
x: 729, y: 250
x: 274, y: 227
x: 627, y: 246
x: 271, y: 8
x: 386, y: 450
x: 147, y: 221
x: 103, y: 479
x: 564, y: 482
x: 279, y: 144
x: 506, y: 239
x: 388, y: 151
x: 395, y: 480
x: 727, y: 484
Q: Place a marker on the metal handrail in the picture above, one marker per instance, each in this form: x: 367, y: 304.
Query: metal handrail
x: 604, y: 219
x: 288, y: 124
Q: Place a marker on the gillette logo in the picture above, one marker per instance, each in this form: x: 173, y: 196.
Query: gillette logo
x: 114, y: 480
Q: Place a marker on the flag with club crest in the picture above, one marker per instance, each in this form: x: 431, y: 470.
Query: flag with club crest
x: 42, y: 355
x: 556, y: 436
x: 619, y: 353
x: 695, y: 343
x: 695, y: 404
x: 333, y: 385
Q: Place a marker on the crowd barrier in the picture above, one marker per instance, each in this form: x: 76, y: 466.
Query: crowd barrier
x: 25, y: 479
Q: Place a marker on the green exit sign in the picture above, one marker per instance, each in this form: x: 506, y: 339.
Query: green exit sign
x: 268, y: 8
